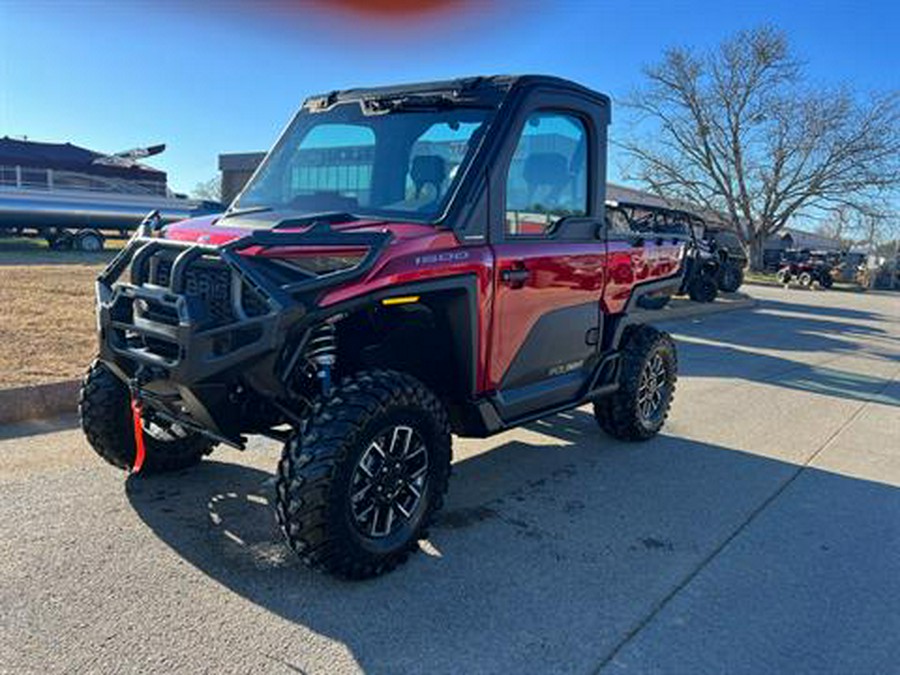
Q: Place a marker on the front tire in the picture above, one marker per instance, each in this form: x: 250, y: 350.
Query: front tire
x: 104, y: 406
x: 362, y: 480
x: 649, y: 366
x: 703, y: 288
x: 731, y: 278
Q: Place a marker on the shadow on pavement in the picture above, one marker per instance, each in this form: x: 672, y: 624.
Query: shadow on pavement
x: 724, y: 348
x: 548, y: 552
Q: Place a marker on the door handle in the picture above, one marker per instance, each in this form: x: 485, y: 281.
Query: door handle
x: 515, y: 277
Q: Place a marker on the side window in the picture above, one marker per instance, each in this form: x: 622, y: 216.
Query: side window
x: 547, y: 178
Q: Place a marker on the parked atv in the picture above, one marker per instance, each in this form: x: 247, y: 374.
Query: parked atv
x: 408, y: 262
x: 702, y: 263
x: 806, y: 268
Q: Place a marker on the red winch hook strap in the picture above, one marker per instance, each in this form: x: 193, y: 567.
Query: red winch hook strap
x: 139, y: 450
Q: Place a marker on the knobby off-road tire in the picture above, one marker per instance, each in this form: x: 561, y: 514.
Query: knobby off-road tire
x: 104, y: 406
x: 646, y: 352
x: 321, y: 495
x: 731, y: 278
x: 703, y: 288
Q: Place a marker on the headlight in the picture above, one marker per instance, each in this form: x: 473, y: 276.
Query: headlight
x: 317, y: 261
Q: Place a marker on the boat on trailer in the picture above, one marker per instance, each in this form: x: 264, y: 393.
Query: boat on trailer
x: 76, y: 198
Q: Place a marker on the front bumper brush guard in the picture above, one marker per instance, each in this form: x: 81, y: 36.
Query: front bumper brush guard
x: 193, y: 355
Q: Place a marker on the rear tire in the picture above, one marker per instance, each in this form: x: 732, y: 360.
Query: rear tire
x: 104, y: 406
x: 826, y: 280
x: 353, y: 495
x: 633, y: 412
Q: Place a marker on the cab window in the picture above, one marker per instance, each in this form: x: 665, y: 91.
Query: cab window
x: 547, y: 178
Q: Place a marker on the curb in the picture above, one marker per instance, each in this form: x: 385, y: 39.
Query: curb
x: 690, y: 309
x: 38, y: 401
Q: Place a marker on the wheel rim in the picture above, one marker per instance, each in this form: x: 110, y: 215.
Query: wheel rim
x: 652, y: 388
x: 388, y: 481
x: 90, y: 244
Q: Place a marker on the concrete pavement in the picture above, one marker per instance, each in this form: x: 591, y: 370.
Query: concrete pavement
x: 759, y: 533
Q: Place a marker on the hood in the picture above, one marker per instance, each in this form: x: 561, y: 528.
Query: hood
x: 218, y: 231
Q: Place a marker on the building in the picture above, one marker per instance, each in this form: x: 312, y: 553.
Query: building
x: 236, y: 169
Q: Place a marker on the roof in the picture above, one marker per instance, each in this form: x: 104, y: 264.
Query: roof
x: 490, y: 89
x: 68, y: 157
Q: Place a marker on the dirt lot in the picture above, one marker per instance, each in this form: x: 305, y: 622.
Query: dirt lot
x: 47, y: 300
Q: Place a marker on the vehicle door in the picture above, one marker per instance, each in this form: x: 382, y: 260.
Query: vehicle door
x: 549, y: 261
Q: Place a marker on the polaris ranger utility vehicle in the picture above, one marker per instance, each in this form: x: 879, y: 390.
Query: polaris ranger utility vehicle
x: 702, y: 261
x: 407, y: 262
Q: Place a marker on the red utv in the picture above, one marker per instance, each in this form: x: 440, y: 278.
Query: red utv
x: 408, y: 262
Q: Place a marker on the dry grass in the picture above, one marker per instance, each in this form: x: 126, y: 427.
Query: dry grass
x: 47, y: 324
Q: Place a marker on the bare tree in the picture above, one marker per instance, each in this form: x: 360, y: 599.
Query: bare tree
x: 210, y: 189
x: 737, y: 130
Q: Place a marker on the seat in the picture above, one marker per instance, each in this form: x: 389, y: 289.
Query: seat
x: 428, y: 170
x: 546, y: 170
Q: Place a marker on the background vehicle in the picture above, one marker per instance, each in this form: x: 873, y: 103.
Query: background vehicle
x: 374, y: 288
x: 702, y: 263
x: 807, y: 267
x: 732, y: 257
x: 76, y: 198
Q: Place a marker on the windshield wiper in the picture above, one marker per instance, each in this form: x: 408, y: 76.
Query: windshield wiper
x: 244, y: 211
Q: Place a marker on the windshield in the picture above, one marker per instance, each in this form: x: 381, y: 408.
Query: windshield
x: 404, y: 164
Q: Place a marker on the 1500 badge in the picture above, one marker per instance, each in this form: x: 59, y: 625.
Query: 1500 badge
x: 450, y: 256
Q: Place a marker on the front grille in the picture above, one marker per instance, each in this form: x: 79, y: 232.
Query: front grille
x: 210, y: 284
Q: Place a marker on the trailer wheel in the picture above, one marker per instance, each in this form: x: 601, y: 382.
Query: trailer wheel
x: 61, y: 241
x: 89, y: 241
x: 105, y: 411
x: 360, y: 482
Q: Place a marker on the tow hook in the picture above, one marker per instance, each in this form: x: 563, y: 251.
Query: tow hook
x: 137, y: 410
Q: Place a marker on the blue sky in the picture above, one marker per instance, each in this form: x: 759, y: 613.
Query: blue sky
x: 217, y: 77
